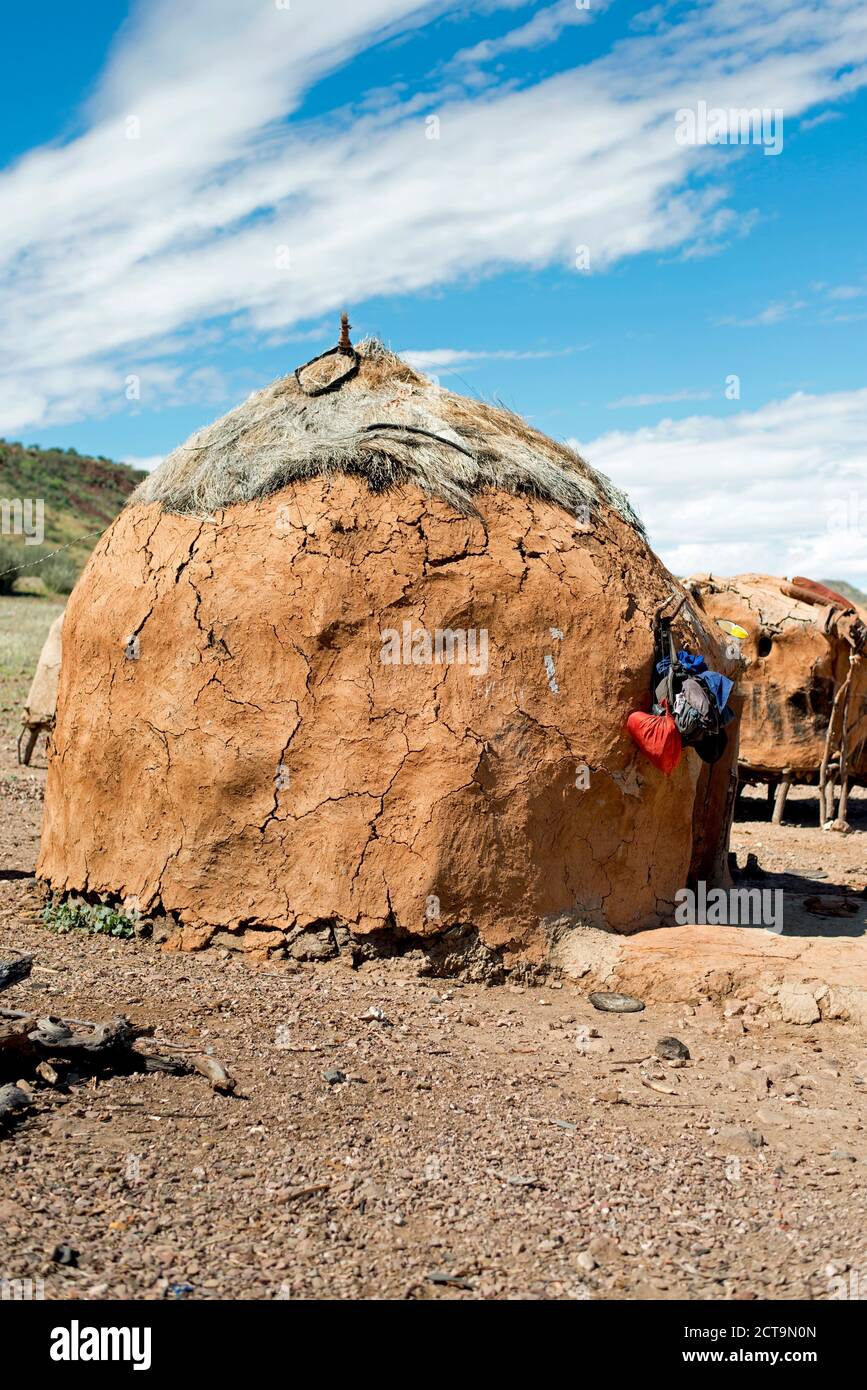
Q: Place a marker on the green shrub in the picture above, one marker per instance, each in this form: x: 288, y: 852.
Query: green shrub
x: 60, y: 573
x: 10, y: 556
x: 98, y: 920
x: 31, y: 585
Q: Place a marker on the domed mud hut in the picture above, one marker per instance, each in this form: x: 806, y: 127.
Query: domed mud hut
x: 352, y: 669
x: 804, y: 688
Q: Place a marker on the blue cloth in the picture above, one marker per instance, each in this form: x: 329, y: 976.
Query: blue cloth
x: 688, y: 660
x: 719, y: 686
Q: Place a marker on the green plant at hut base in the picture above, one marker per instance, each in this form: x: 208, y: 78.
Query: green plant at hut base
x: 99, y: 920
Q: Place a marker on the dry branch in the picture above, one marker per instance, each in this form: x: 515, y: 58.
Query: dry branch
x: 47, y: 1049
x: 11, y: 971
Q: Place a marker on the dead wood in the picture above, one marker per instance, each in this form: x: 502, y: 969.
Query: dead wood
x: 51, y: 1049
x: 12, y: 1098
x: 11, y: 971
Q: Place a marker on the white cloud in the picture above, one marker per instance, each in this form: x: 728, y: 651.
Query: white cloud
x: 546, y: 25
x: 847, y: 292
x: 628, y: 402
x: 110, y: 245
x: 822, y: 119
x: 772, y: 313
x: 781, y: 490
x: 431, y: 359
x: 821, y: 295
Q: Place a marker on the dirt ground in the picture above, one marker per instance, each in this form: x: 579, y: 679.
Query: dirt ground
x: 484, y: 1143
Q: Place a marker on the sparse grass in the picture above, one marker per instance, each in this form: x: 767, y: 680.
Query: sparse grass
x: 24, y: 624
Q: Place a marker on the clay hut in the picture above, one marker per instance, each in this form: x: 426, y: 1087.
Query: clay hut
x: 38, y: 715
x: 353, y: 668
x: 804, y: 687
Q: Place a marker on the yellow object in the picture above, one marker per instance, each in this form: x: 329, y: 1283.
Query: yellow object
x: 732, y: 629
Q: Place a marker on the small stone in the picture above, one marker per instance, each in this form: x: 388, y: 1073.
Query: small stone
x: 375, y: 1015
x: 736, y: 1139
x: 65, y: 1255
x: 798, y: 1004
x: 334, y: 1076
x: 602, y: 1248
x: 163, y: 925
x: 672, y: 1049
x: 313, y: 945
x: 760, y: 1082
x: 616, y: 1003
x: 436, y: 1276
x: 587, y: 1040
x: 586, y: 1261
x: 782, y: 1071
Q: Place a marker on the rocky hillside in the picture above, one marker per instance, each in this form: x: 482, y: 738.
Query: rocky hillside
x: 80, y: 496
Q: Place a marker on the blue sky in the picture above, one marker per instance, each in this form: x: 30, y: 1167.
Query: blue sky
x: 189, y: 194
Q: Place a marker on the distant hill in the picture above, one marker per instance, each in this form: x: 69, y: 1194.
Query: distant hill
x: 81, y: 496
x: 847, y: 590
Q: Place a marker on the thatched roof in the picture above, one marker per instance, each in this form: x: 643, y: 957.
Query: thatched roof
x: 365, y: 411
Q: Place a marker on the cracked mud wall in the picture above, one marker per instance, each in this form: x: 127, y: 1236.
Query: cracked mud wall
x: 791, y: 675
x: 250, y: 762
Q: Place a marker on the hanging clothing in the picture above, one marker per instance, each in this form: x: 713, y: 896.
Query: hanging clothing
x: 719, y: 686
x: 711, y: 748
x: 687, y: 660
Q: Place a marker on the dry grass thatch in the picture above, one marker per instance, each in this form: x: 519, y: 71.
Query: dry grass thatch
x: 368, y: 413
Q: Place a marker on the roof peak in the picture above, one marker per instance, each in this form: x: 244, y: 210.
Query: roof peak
x: 369, y: 413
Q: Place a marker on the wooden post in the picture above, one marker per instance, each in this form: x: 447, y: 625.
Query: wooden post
x: 780, y: 797
x: 828, y: 809
x: 29, y: 736
x: 841, y: 823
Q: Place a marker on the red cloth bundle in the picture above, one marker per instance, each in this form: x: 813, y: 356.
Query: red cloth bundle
x: 658, y: 738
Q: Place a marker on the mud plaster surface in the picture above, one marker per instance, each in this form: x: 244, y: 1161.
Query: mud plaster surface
x: 252, y: 765
x: 788, y: 693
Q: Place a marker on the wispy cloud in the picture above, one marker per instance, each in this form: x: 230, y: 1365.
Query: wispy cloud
x: 773, y: 313
x: 671, y: 398
x: 727, y: 493
x: 426, y: 359
x: 818, y: 300
x: 810, y: 122
x: 177, y: 210
x: 545, y: 26
x: 847, y: 292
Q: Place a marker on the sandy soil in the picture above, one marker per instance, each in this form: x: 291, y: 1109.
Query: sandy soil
x: 483, y: 1145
